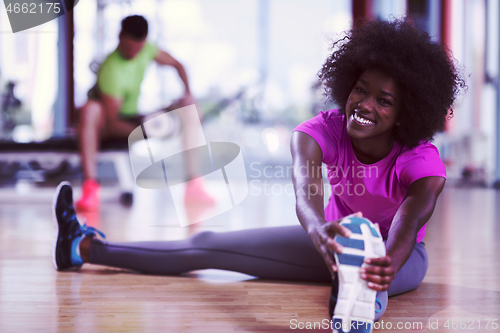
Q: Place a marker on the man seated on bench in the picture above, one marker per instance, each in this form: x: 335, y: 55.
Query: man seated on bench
x: 111, y: 111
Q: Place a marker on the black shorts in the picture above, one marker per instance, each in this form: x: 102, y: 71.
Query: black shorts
x: 136, y: 120
x: 95, y: 94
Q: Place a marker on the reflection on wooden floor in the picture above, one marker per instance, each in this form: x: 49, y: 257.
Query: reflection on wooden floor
x: 462, y: 283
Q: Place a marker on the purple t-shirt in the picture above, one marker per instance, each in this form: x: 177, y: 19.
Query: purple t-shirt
x: 377, y: 190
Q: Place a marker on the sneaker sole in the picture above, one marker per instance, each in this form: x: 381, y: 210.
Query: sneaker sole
x: 355, y: 309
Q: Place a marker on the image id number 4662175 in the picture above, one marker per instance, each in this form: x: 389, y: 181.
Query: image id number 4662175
x: 471, y: 324
x: 34, y: 8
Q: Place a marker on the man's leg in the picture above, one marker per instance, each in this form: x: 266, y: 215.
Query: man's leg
x: 284, y: 253
x: 93, y: 128
x: 89, y: 130
x: 189, y: 136
x: 196, y: 196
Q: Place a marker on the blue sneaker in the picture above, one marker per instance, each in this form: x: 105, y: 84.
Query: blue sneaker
x: 355, y: 302
x: 69, y: 232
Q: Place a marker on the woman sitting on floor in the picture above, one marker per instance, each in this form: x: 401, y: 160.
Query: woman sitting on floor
x: 395, y: 88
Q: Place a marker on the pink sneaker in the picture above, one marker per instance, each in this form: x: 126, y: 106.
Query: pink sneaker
x: 91, y: 196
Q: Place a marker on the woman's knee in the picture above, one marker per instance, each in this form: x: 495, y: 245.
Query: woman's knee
x: 420, y: 262
x: 413, y: 272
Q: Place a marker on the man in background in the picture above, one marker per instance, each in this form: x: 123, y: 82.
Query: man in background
x: 111, y: 111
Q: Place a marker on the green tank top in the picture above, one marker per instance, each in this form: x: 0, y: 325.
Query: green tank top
x: 121, y: 78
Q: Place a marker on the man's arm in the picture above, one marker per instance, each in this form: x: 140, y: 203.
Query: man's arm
x: 413, y: 213
x: 163, y: 58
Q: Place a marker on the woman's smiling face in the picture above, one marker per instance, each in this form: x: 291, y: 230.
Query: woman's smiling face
x: 373, y: 106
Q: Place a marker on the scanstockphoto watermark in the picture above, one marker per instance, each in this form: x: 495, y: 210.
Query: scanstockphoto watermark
x: 343, y: 180
x: 354, y: 325
x: 329, y: 324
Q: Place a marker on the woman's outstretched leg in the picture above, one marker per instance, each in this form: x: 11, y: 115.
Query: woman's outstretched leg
x: 284, y: 253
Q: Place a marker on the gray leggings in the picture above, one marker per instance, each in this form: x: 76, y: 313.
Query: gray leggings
x: 278, y: 253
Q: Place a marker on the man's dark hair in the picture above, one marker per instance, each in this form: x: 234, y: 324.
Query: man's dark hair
x: 428, y: 79
x: 135, y: 26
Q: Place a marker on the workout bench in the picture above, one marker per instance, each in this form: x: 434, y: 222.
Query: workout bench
x: 55, y: 152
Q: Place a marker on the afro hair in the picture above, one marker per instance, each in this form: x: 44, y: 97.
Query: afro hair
x: 427, y: 78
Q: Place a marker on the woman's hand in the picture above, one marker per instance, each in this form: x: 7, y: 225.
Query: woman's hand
x: 322, y: 236
x: 379, y: 274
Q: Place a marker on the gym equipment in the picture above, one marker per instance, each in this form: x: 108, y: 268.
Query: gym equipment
x: 59, y: 157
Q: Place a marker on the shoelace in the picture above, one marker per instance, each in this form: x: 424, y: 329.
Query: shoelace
x: 83, y: 229
x: 90, y: 231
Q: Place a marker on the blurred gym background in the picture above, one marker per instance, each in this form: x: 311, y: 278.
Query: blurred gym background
x: 252, y: 66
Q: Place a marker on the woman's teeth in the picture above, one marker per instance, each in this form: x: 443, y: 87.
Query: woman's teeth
x: 362, y: 120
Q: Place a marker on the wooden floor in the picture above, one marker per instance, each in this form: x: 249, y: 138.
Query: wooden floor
x: 462, y: 284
